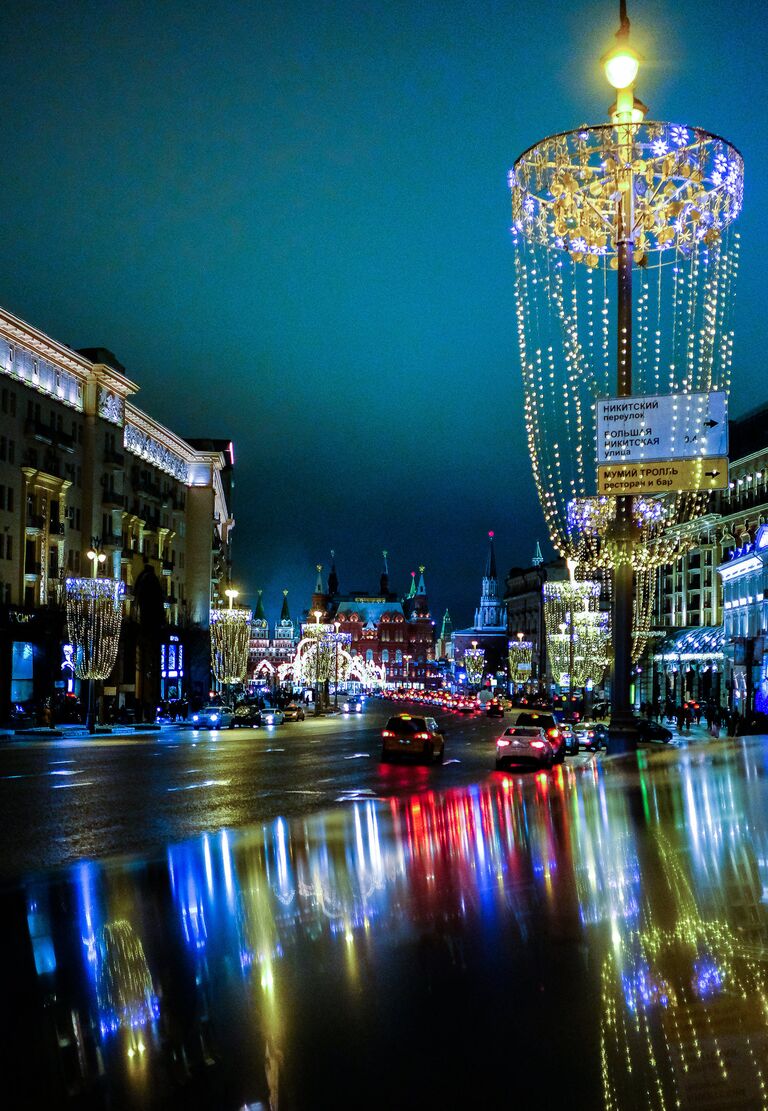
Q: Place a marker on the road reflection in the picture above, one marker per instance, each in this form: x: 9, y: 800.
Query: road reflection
x: 595, y: 935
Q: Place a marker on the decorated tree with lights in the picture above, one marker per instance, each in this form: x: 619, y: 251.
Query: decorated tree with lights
x: 645, y: 208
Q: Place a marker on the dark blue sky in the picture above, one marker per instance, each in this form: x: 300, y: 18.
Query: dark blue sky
x: 290, y: 222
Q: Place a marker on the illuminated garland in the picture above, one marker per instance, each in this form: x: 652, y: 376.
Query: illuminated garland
x: 94, y: 614
x: 125, y: 993
x: 474, y: 662
x: 688, y: 188
x: 572, y: 614
x: 520, y: 660
x: 230, y: 637
x: 319, y: 654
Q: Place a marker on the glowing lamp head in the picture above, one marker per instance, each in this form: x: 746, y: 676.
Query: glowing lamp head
x: 621, y: 65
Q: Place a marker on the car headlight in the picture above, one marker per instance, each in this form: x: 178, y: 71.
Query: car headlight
x: 195, y: 717
x: 214, y: 717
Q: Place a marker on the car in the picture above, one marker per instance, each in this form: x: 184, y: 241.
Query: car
x: 570, y: 737
x: 467, y: 706
x: 546, y: 720
x: 246, y: 714
x: 414, y: 737
x: 294, y: 711
x: 592, y: 735
x: 270, y: 715
x: 524, y: 746
x: 652, y: 731
x: 352, y: 704
x: 494, y: 709
x: 213, y: 716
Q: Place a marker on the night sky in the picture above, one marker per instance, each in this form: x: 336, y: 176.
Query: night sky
x: 290, y: 222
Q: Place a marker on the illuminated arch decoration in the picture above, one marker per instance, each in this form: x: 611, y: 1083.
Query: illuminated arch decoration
x: 688, y: 188
x: 230, y: 637
x: 94, y: 615
x: 307, y: 667
x: 265, y: 667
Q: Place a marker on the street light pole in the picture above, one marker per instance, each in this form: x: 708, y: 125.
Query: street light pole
x: 97, y: 559
x: 336, y: 626
x: 407, y: 659
x: 621, y: 66
x: 318, y: 614
x: 231, y: 594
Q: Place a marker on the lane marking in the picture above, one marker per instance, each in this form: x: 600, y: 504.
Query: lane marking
x: 207, y: 783
x: 78, y: 783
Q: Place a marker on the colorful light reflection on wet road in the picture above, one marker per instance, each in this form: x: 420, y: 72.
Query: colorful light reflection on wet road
x: 591, y: 938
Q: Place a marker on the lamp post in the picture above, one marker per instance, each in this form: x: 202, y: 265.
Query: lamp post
x: 317, y: 614
x: 336, y: 626
x: 406, y: 660
x: 621, y: 65
x: 98, y: 559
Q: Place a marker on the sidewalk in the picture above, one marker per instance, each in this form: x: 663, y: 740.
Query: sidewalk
x: 70, y: 732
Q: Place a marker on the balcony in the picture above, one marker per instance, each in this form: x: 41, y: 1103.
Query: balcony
x: 57, y: 528
x: 113, y: 458
x: 152, y: 523
x: 112, y: 540
x: 168, y: 566
x: 145, y: 486
x: 110, y: 499
x: 32, y: 571
x: 41, y: 432
x: 35, y: 524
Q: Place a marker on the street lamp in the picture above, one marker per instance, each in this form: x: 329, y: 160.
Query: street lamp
x: 406, y: 660
x: 336, y: 627
x: 98, y: 559
x: 660, y: 198
x: 231, y: 594
x: 318, y: 614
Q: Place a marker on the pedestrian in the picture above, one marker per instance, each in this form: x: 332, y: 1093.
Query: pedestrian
x: 680, y: 717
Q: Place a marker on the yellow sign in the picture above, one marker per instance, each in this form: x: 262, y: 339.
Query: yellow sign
x: 664, y: 477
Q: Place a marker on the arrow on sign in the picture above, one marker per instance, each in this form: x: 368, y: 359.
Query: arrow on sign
x: 711, y: 474
x: 711, y: 423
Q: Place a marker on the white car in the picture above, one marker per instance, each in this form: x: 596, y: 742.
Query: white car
x: 353, y: 704
x: 212, y: 717
x: 272, y: 716
x: 524, y: 746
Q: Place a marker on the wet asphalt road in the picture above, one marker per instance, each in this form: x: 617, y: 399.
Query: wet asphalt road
x: 65, y: 800
x: 591, y: 938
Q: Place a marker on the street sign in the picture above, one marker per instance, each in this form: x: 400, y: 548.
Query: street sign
x: 663, y: 477
x: 661, y: 427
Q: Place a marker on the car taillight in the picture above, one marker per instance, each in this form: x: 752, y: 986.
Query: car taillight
x: 422, y: 736
x: 502, y: 743
x: 538, y: 744
x: 552, y: 733
x: 387, y: 733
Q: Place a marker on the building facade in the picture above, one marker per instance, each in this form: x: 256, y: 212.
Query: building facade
x: 266, y: 653
x: 388, y: 630
x: 82, y: 469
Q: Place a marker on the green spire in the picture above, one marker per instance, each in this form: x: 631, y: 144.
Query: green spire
x: 285, y: 613
x: 447, y: 627
x: 259, y: 614
x: 412, y: 591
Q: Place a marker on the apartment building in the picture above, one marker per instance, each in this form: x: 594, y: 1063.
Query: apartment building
x: 82, y: 469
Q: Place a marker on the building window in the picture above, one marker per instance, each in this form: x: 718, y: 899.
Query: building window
x: 22, y: 658
x: 398, y: 657
x: 9, y: 547
x: 385, y: 656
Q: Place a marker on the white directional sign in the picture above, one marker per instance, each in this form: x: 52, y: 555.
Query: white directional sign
x: 663, y: 426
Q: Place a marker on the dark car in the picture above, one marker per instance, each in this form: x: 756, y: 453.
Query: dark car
x: 652, y: 731
x: 413, y: 737
x: 494, y: 709
x: 592, y: 735
x: 246, y: 714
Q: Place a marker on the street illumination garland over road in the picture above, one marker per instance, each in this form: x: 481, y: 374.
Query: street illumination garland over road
x: 687, y: 189
x: 474, y: 662
x: 305, y: 669
x: 94, y: 613
x: 230, y: 636
x: 572, y: 613
x: 520, y: 659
